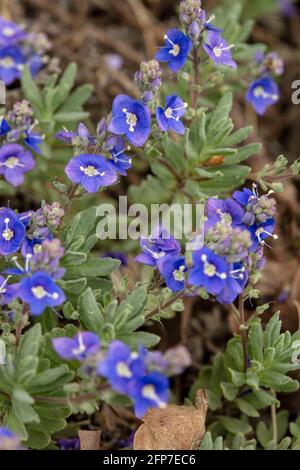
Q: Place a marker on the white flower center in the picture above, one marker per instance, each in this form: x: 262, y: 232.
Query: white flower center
x: 175, y: 51
x: 81, y: 347
x: 259, y: 92
x: 7, y: 234
x: 39, y: 292
x: 210, y: 269
x: 131, y: 119
x: 8, y: 32
x: 148, y: 392
x: 90, y: 170
x: 178, y: 274
x: 7, y: 62
x: 11, y: 163
x: 168, y: 113
x: 123, y: 370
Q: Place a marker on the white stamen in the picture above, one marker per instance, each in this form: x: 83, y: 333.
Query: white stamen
x: 148, y: 391
x: 131, y: 119
x: 210, y: 269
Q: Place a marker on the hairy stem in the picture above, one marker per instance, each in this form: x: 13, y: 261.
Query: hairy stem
x: 167, y: 304
x: 243, y: 329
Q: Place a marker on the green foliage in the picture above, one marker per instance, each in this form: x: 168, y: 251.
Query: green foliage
x: 187, y: 164
x: 28, y: 383
x: 244, y: 394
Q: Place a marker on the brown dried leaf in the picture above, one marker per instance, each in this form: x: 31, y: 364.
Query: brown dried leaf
x: 89, y: 440
x: 173, y: 428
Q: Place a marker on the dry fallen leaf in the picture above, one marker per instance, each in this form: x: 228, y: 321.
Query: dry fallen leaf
x: 89, y: 440
x: 173, y: 428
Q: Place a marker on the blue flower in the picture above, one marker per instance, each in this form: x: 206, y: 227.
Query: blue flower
x: 173, y: 270
x: 262, y: 93
x: 157, y: 246
x: 83, y: 345
x: 218, y: 50
x: 8, y: 292
x: 227, y: 211
x: 40, y: 292
x: 12, y: 232
x: 117, y: 255
x: 121, y: 366
x: 149, y: 391
x: 33, y: 140
x: 176, y: 49
x: 4, y: 127
x: 168, y: 118
x: 12, y: 63
x: 235, y: 283
x: 91, y: 171
x: 14, y: 162
x: 260, y: 232
x: 82, y: 134
x: 119, y: 160
x: 209, y: 271
x: 9, y: 440
x: 243, y: 196
x: 71, y: 443
x: 10, y: 33
x: 131, y: 118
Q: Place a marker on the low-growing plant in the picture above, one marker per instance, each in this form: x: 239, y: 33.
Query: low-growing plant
x: 75, y: 318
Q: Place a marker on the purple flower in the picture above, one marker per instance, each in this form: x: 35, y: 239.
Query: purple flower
x: 157, y: 246
x: 262, y: 93
x: 69, y: 443
x: 81, y: 136
x: 12, y: 63
x: 117, y: 255
x: 4, y: 127
x: 33, y: 140
x: 273, y: 63
x: 12, y: 232
x: 9, y: 440
x: 40, y: 292
x: 10, y: 33
x: 261, y: 232
x: 121, y: 366
x: 227, y: 211
x: 83, y: 345
x: 176, y: 49
x: 218, y: 50
x: 209, y: 271
x: 287, y: 8
x: 119, y: 160
x: 8, y: 292
x: 47, y: 257
x: 168, y: 118
x: 178, y: 359
x: 91, y: 171
x: 14, y: 162
x: 131, y: 118
x: 149, y: 391
x: 173, y: 270
x: 235, y: 283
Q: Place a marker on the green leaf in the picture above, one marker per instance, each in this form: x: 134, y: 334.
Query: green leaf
x: 229, y: 391
x: 92, y: 267
x: 90, y: 314
x: 246, y: 408
x: 134, y: 340
x: 50, y: 380
x: 30, y: 343
x: 234, y: 425
x: 69, y: 116
x: 31, y: 90
x: 22, y: 406
x: 255, y: 342
x: 37, y: 439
